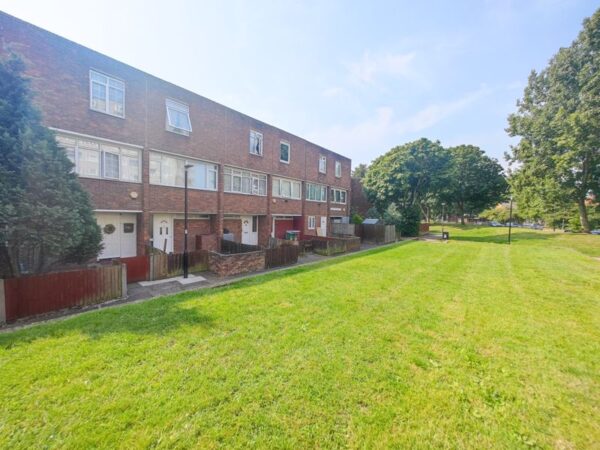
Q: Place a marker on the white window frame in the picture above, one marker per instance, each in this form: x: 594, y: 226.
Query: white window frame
x: 107, y: 87
x: 208, y: 167
x: 312, y: 222
x: 183, y: 108
x: 289, y: 146
x: 262, y: 142
x: 334, y: 191
x: 277, y: 192
x: 320, y: 188
x: 246, y: 177
x: 338, y: 169
x: 104, y: 153
x: 322, y: 164
x: 76, y: 147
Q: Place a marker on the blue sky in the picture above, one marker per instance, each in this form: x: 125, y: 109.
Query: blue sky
x: 356, y: 77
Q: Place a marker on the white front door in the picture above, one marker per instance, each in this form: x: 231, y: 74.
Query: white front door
x: 250, y: 230
x: 163, y: 232
x: 323, y: 225
x: 119, y: 234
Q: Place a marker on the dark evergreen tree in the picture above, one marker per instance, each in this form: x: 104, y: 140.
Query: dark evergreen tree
x: 46, y: 217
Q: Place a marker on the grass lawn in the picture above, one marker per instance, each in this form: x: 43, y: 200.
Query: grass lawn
x: 472, y: 343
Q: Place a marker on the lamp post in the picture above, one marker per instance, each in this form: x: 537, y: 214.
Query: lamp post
x: 443, y: 213
x: 185, y: 222
x: 510, y: 219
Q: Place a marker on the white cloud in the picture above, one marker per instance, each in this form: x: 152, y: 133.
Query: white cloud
x: 369, y: 67
x: 365, y: 140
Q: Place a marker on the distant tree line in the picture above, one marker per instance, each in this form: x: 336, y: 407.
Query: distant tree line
x: 422, y: 179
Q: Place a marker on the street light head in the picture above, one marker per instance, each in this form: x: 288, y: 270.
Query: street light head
x: 188, y: 166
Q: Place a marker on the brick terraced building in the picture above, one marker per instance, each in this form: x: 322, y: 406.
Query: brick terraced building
x: 130, y: 136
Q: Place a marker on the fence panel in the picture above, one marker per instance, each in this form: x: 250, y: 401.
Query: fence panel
x: 281, y: 256
x: 389, y: 234
x: 328, y: 246
x: 39, y: 294
x: 343, y: 229
x: 138, y: 268
x: 377, y: 233
x: 171, y: 265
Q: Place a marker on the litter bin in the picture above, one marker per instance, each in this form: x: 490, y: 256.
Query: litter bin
x: 292, y: 235
x: 445, y: 235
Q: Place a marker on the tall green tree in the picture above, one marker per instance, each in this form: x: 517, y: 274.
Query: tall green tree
x: 474, y: 182
x: 558, y: 120
x: 405, y: 179
x: 45, y: 215
x: 407, y: 174
x: 360, y: 171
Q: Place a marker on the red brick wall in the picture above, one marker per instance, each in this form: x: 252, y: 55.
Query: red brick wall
x: 234, y: 226
x: 107, y: 194
x: 208, y: 242
x: 169, y: 199
x: 285, y: 206
x: 251, y: 205
x: 195, y: 227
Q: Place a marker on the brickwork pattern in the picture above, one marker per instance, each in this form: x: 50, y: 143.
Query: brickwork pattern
x: 227, y: 265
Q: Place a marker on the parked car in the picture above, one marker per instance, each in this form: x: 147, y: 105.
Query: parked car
x: 493, y: 223
x: 533, y: 226
x: 596, y: 231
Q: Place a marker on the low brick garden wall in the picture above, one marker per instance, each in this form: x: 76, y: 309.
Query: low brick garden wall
x: 236, y: 263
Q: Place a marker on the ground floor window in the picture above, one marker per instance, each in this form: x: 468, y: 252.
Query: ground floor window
x: 312, y: 220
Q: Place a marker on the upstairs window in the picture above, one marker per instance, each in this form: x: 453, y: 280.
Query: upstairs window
x: 323, y: 164
x: 256, y: 143
x: 244, y: 182
x: 338, y: 196
x: 94, y: 159
x: 107, y: 94
x: 316, y: 192
x: 338, y: 169
x: 178, y: 117
x: 284, y: 152
x: 168, y: 170
x: 285, y: 188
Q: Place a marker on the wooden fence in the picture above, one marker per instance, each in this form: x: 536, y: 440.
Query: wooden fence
x: 138, y: 268
x: 39, y: 294
x: 343, y: 229
x: 376, y: 233
x: 283, y: 255
x: 163, y: 265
